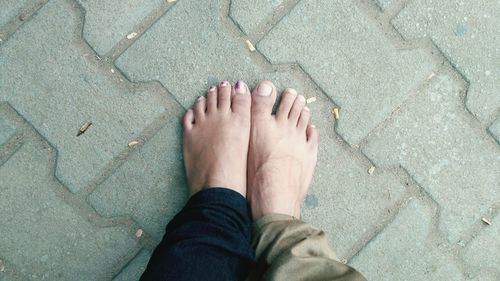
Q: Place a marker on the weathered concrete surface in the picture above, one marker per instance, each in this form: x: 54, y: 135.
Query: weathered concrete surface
x: 463, y: 31
x: 58, y: 88
x: 482, y: 253
x: 250, y: 14
x: 135, y: 268
x: 108, y: 22
x: 150, y: 186
x: 406, y: 250
x: 435, y: 140
x: 41, y: 234
x: 350, y: 59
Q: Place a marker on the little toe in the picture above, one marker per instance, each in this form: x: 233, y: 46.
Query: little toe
x: 263, y: 99
x: 297, y: 107
x: 224, y: 96
x: 212, y: 99
x: 188, y: 120
x: 241, y: 99
x: 286, y: 102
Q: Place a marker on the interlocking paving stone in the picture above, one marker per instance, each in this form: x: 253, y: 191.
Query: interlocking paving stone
x: 495, y: 129
x: 192, y: 50
x: 350, y: 202
x: 467, y: 33
x: 57, y: 88
x: 384, y: 4
x: 482, y: 252
x: 404, y: 250
x: 108, y: 22
x: 10, y: 9
x: 6, y: 131
x: 350, y: 59
x: 434, y: 139
x: 249, y: 14
x: 150, y: 186
x: 135, y: 268
x: 41, y: 235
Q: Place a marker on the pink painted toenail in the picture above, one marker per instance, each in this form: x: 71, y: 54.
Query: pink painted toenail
x: 240, y: 87
x: 211, y: 89
x: 223, y: 83
x: 306, y: 108
x: 264, y: 90
x: 312, y: 126
x: 200, y: 98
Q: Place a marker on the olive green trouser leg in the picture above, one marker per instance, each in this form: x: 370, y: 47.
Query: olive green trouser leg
x: 289, y: 249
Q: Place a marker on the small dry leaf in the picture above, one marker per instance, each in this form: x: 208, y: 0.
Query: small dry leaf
x: 311, y: 99
x: 133, y: 143
x: 431, y: 75
x: 132, y: 35
x: 250, y: 46
x: 112, y: 70
x: 335, y: 113
x: 171, y: 1
x: 139, y: 233
x: 486, y: 221
x: 83, y: 128
x: 371, y: 170
x: 2, y: 266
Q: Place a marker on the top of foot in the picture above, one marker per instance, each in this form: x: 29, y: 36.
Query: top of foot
x: 216, y: 134
x: 282, y: 152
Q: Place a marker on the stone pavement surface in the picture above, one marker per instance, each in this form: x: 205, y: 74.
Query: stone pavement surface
x: 408, y: 179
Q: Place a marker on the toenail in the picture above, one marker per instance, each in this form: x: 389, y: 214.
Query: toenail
x: 291, y: 91
x: 302, y: 98
x: 211, y: 89
x: 223, y: 83
x: 306, y: 108
x: 264, y: 90
x: 240, y: 87
x: 312, y: 126
x: 200, y: 98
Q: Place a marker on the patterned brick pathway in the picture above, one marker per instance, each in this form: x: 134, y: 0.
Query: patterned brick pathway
x: 408, y: 181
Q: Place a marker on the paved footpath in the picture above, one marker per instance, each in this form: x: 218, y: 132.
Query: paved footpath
x: 408, y: 181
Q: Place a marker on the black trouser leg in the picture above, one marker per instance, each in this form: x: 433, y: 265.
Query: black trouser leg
x: 210, y: 239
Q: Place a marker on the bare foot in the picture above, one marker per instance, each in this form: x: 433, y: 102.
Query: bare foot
x: 216, y: 135
x: 282, y: 152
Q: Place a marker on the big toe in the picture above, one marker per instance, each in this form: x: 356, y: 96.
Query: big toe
x: 240, y: 98
x: 263, y: 99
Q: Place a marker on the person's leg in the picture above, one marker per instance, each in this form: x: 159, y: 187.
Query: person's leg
x: 210, y: 239
x: 282, y: 155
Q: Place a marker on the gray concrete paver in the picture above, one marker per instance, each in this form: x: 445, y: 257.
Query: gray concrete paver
x: 250, y: 14
x: 405, y: 250
x: 350, y: 59
x: 150, y: 186
x: 433, y: 138
x: 6, y: 131
x: 108, y: 22
x: 42, y: 236
x: 135, y: 268
x: 482, y: 253
x: 58, y: 88
x: 467, y: 33
x: 495, y: 129
x: 10, y: 9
